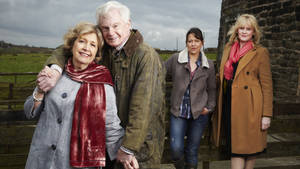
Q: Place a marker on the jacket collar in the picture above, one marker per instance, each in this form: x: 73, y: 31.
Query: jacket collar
x: 183, y: 57
x: 134, y: 40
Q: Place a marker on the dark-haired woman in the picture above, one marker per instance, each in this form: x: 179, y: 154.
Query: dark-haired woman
x: 192, y: 99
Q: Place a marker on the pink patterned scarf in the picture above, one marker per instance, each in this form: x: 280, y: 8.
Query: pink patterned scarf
x: 235, y: 54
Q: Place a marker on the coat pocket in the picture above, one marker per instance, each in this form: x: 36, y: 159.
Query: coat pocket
x: 146, y: 150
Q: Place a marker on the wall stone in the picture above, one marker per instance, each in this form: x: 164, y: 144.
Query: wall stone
x: 280, y: 24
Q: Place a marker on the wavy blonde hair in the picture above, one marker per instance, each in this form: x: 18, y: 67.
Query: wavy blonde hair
x: 243, y: 20
x: 79, y: 30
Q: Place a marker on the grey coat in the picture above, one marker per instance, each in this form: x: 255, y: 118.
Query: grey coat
x: 50, y: 145
x: 203, y: 85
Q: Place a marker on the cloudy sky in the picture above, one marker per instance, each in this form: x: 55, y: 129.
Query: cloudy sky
x: 163, y: 23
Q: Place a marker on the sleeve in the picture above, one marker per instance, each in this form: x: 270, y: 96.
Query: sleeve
x: 168, y: 65
x: 146, y: 96
x: 114, y: 131
x: 57, y: 58
x: 28, y: 108
x: 211, y: 88
x: 265, y: 78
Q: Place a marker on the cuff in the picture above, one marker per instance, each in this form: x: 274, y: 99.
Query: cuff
x: 56, y: 67
x: 36, y: 99
x: 126, y: 150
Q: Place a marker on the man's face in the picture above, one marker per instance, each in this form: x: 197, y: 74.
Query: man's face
x: 114, y: 30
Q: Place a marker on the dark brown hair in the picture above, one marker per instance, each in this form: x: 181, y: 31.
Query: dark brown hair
x: 197, y: 33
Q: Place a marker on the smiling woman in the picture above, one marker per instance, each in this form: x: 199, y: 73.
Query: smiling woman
x: 245, y: 77
x: 84, y: 50
x: 83, y: 43
x: 65, y: 136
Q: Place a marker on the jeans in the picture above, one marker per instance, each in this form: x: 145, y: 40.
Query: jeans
x: 193, y: 129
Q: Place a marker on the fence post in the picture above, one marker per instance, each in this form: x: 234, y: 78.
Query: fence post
x: 205, y: 165
x: 10, y: 94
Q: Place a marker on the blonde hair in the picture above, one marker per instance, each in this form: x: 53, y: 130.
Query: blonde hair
x: 80, y: 29
x: 242, y: 20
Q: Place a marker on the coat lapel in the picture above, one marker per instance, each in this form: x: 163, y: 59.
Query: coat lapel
x: 244, y: 61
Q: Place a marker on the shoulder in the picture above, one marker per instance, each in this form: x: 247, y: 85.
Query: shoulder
x: 174, y: 56
x: 146, y: 49
x: 146, y: 53
x: 228, y: 45
x: 262, y: 51
x: 261, y: 48
x: 211, y: 63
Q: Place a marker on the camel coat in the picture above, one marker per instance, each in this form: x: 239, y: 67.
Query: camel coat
x: 251, y: 99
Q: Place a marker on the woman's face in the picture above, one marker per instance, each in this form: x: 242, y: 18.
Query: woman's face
x: 193, y: 44
x: 84, y: 50
x: 245, y: 33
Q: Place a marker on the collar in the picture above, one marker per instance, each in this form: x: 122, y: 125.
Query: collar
x: 183, y: 57
x: 122, y: 45
x: 129, y: 46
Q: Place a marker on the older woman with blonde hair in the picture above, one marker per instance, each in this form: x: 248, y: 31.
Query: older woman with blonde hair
x: 78, y: 119
x: 245, y: 95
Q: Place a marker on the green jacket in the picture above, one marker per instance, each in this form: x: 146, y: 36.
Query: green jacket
x: 139, y: 78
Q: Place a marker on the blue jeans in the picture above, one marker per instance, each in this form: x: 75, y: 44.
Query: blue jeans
x: 193, y: 129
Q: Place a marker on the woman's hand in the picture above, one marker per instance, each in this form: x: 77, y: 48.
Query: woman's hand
x: 204, y: 111
x: 265, y: 123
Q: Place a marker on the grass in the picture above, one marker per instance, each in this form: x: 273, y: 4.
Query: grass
x: 22, y: 84
x: 19, y: 63
x: 31, y: 62
x: 211, y: 56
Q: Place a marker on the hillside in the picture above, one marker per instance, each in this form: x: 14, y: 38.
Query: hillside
x: 8, y: 48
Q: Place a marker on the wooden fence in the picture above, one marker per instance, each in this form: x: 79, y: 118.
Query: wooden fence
x: 14, y: 93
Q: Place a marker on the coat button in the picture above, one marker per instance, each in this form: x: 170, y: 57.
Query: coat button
x: 64, y: 95
x: 246, y: 87
x: 53, y: 147
x: 59, y: 120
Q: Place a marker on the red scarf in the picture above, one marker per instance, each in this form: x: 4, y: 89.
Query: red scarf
x: 87, y: 146
x: 235, y: 54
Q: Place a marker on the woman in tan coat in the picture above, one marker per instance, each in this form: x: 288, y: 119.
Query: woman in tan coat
x: 245, y: 95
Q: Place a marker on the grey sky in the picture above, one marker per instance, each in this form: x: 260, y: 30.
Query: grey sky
x: 162, y: 22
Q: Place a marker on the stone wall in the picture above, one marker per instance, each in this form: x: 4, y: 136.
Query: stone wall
x: 280, y: 24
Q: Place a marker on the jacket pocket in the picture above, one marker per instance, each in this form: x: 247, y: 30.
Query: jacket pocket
x: 146, y: 150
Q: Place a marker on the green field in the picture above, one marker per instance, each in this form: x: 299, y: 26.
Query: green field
x: 211, y: 56
x: 22, y: 85
x: 19, y: 63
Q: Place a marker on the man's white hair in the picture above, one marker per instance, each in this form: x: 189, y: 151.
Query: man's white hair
x: 104, y: 9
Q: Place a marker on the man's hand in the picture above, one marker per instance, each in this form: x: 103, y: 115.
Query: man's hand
x: 47, y: 79
x: 265, y: 123
x: 128, y: 160
x: 132, y: 165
